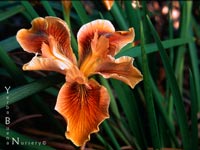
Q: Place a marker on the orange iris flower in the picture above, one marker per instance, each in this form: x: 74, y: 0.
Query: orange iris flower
x: 82, y: 101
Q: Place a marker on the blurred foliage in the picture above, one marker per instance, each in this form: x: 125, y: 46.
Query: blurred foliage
x: 159, y: 113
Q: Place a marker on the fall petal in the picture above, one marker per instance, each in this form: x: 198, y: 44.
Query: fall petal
x: 42, y: 28
x: 83, y: 108
x: 121, y: 69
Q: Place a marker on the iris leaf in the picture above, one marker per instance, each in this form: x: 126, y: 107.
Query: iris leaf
x: 78, y: 6
x: 182, y: 120
x: 150, y: 48
x: 30, y: 9
x: 28, y: 90
x: 148, y: 94
x: 194, y: 111
x: 9, y: 44
x: 11, y: 12
x: 48, y: 8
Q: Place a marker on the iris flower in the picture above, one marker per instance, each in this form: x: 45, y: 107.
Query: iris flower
x: 82, y: 101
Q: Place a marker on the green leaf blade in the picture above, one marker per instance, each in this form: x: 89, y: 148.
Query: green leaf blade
x: 182, y: 120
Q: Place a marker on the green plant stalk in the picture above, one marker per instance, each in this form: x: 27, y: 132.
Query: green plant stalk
x: 78, y: 6
x: 51, y: 90
x: 5, y: 44
x: 148, y: 96
x: 158, y: 102
x: 162, y: 132
x: 128, y: 103
x: 171, y: 54
x: 171, y: 57
x: 122, y: 126
x: 27, y: 16
x: 111, y: 135
x: 11, y: 12
x: 121, y: 135
x: 150, y: 48
x: 144, y: 11
x: 10, y: 66
x: 101, y: 139
x: 48, y: 8
x: 194, y: 111
x: 194, y: 66
x: 182, y: 120
x: 113, y: 104
x: 170, y: 109
x: 4, y: 72
x: 30, y: 9
x: 117, y: 14
x: 185, y: 23
x: 28, y: 89
x: 171, y: 36
x: 73, y: 39
x: 74, y: 44
x: 4, y: 4
x: 133, y: 18
x: 196, y: 26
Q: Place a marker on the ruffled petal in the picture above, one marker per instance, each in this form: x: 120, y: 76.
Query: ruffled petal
x: 97, y: 56
x: 121, y: 69
x: 43, y: 31
x: 46, y: 64
x: 117, y: 39
x: 49, y: 62
x: 99, y: 61
x: 84, y: 108
x: 86, y: 34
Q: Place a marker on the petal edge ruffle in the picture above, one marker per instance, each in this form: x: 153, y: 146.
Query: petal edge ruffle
x: 121, y: 69
x: 46, y: 64
x: 83, y: 108
x: 32, y: 39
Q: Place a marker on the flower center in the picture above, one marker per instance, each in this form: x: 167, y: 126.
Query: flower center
x: 89, y: 65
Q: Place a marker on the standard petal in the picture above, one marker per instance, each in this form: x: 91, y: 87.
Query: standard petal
x: 100, y: 27
x: 99, y: 53
x: 31, y: 40
x: 42, y: 28
x: 119, y: 39
x: 83, y: 108
x: 121, y: 69
x: 86, y: 35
